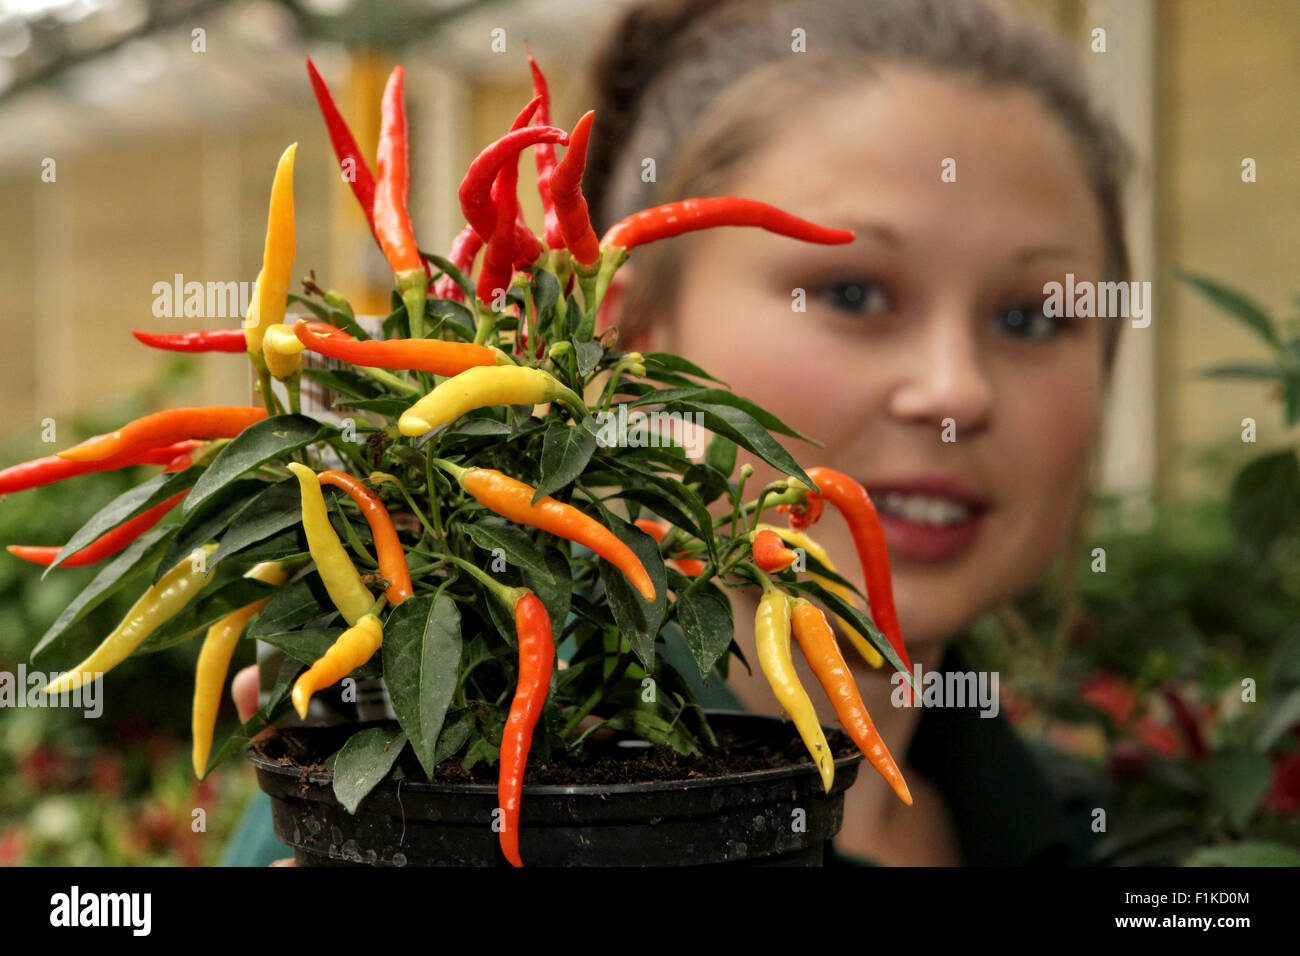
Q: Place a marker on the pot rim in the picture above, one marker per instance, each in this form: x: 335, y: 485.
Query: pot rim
x: 324, y: 777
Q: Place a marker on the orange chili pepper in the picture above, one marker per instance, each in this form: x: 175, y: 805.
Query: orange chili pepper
x: 770, y: 552
x: 388, y: 550
x: 175, y: 424
x: 513, y: 499
x: 813, y: 632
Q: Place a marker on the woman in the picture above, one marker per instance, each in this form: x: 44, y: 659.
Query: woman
x: 959, y: 144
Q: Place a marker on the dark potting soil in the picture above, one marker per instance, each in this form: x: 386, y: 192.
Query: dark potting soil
x: 607, y: 763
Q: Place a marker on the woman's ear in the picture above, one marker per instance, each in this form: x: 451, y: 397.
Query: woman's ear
x: 611, y: 312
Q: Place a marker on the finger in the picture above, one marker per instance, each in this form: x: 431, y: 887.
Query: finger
x: 243, y: 690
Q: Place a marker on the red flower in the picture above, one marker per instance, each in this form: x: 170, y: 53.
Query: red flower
x: 12, y: 846
x: 1158, y: 737
x: 43, y: 768
x: 106, y: 776
x: 1284, y: 792
x: 1105, y: 692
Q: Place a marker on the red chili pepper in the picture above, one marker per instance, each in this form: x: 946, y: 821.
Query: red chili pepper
x: 480, y: 179
x: 528, y: 248
x: 211, y: 421
x: 544, y: 155
x: 499, y: 256
x: 536, y: 659
x: 805, y: 513
x: 691, y: 567
x: 688, y: 215
x: 417, y: 355
x: 463, y: 252
x: 46, y: 471
x: 345, y: 148
x: 217, y: 340
x: 853, y: 502
x: 770, y: 552
x: 106, y: 545
x: 566, y: 190
x: 388, y: 549
x: 392, y: 218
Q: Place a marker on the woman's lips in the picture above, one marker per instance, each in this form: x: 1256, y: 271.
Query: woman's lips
x: 922, y: 541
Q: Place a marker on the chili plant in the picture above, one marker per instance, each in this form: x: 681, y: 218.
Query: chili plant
x: 521, y: 527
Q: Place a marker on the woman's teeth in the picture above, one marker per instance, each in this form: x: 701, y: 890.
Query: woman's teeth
x: 924, y: 509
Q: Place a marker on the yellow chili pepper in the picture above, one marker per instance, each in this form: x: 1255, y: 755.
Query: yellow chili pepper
x: 277, y: 259
x: 353, y: 648
x: 341, y: 578
x: 800, y: 539
x: 214, y: 661
x: 282, y: 350
x: 772, y: 637
x: 480, y: 387
x: 154, y: 608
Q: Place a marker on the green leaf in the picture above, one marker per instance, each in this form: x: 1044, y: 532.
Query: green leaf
x: 1246, y: 853
x: 707, y: 625
x: 220, y: 598
x: 676, y: 363
x: 205, y: 523
x: 268, y: 439
x: 299, y: 602
x: 126, y: 506
x: 1280, y: 719
x: 388, y: 407
x: 364, y: 761
x: 718, y: 396
x: 453, y: 737
x: 721, y: 455
x: 453, y: 271
x: 276, y: 508
x: 648, y: 725
x: 748, y: 434
x: 546, y: 291
x: 480, y: 427
x: 638, y: 619
x: 421, y: 652
x: 1235, y: 303
x: 555, y: 589
x: 1236, y: 781
x: 572, y: 319
x: 126, y: 567
x: 344, y: 382
x: 588, y: 355
x: 1264, y: 502
x: 453, y: 315
x: 1244, y: 370
x: 566, y: 449
x: 518, y: 547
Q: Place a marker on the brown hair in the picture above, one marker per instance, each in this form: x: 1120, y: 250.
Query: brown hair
x: 694, y: 84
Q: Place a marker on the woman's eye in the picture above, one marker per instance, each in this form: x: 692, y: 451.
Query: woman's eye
x: 863, y: 298
x: 1027, y: 321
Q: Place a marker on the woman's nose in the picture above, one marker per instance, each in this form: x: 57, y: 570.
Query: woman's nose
x: 944, y: 375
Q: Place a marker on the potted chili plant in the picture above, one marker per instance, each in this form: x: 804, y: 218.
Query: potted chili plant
x: 520, y: 530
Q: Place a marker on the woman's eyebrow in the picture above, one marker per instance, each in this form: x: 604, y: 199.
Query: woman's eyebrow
x: 879, y: 232
x: 1043, y: 252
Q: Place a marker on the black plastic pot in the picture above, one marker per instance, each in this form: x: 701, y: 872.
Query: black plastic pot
x: 742, y: 818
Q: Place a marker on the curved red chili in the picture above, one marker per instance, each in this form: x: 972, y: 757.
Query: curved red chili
x: 476, y: 188
x: 544, y: 155
x: 106, y: 545
x: 566, y: 191
x: 46, y: 471
x: 464, y: 250
x: 675, y: 218
x: 536, y: 660
x: 388, y: 549
x: 345, y: 146
x: 438, y: 356
x: 217, y: 340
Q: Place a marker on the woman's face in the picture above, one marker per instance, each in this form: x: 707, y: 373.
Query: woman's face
x: 920, y: 353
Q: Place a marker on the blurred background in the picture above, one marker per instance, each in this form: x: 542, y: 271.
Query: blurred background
x: 138, y: 140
